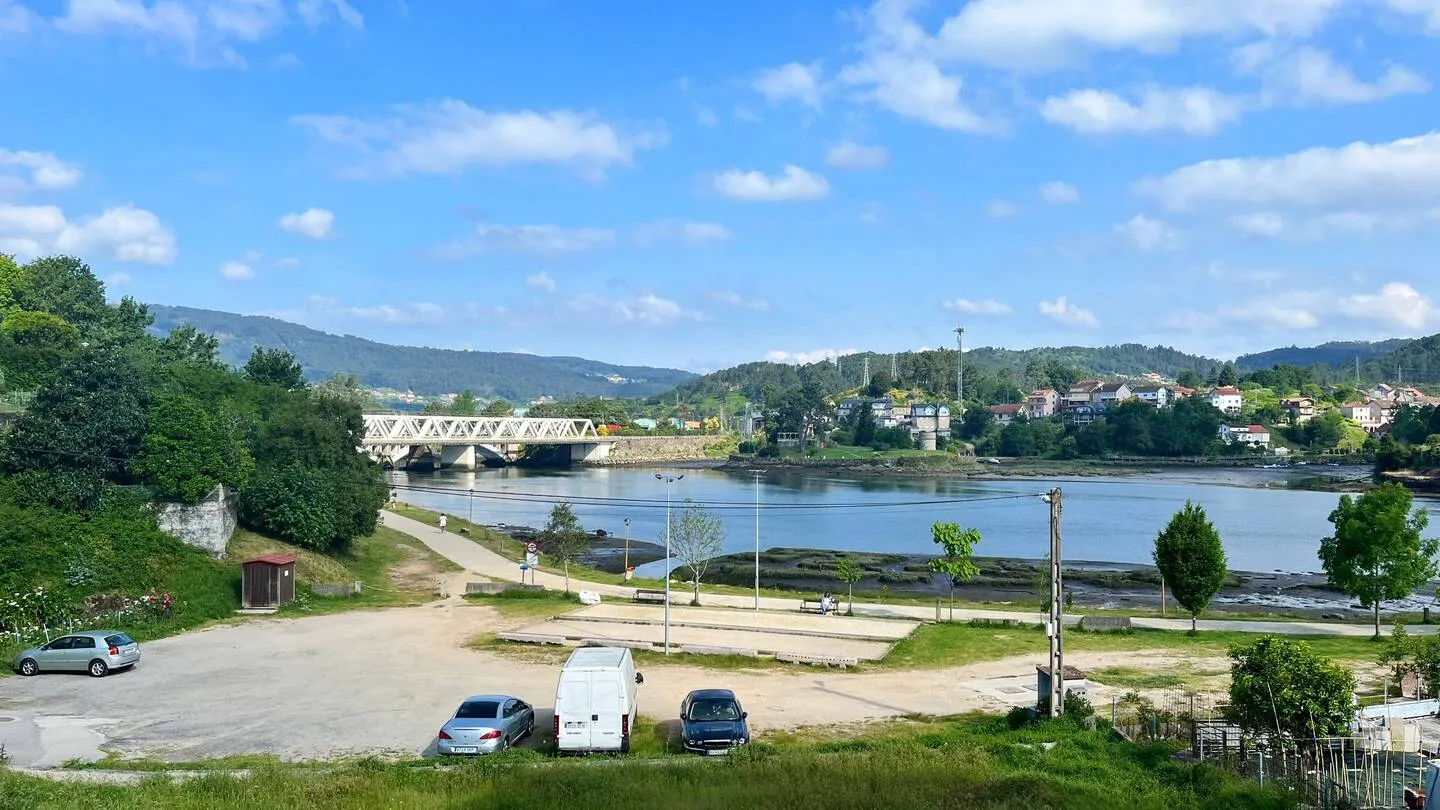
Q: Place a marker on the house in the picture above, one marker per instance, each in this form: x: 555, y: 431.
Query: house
x: 1253, y: 435
x: 1181, y: 392
x: 880, y: 408
x: 1081, y: 393
x: 1005, y: 414
x: 1368, y: 415
x: 1157, y: 395
x: 1110, y: 394
x: 929, y: 417
x: 1302, y: 409
x: 1043, y: 404
x: 1081, y: 414
x: 1226, y: 400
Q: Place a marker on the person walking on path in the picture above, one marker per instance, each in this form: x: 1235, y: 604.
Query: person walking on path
x: 443, y: 521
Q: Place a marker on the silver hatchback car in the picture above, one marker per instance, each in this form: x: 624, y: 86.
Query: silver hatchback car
x: 485, y: 724
x: 95, y: 651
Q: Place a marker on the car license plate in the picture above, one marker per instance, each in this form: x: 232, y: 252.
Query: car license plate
x: 576, y: 724
x: 465, y: 749
x: 717, y: 752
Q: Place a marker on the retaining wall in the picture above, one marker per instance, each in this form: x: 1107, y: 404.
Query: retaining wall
x: 207, y: 525
x: 641, y: 449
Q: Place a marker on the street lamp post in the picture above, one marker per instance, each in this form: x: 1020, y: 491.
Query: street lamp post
x: 627, y: 549
x: 1057, y: 614
x: 470, y: 508
x: 668, y: 479
x: 757, y: 474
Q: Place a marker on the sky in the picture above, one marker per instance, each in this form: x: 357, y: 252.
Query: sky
x: 700, y: 184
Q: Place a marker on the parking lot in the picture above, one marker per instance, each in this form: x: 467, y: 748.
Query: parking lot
x: 382, y: 682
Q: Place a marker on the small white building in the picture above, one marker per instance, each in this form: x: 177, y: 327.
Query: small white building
x: 1254, y: 435
x: 1157, y: 395
x: 1369, y: 415
x: 1226, y: 400
x: 1111, y: 394
x: 1005, y: 414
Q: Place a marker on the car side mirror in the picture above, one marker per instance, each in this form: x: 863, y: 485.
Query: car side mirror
x: 639, y: 678
x: 744, y: 715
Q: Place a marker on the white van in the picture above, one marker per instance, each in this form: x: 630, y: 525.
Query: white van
x: 595, y: 701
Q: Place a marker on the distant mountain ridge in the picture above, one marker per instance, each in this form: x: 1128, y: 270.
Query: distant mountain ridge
x: 1336, y: 354
x: 512, y: 376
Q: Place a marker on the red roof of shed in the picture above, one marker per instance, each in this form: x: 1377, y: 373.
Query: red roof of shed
x: 272, y: 559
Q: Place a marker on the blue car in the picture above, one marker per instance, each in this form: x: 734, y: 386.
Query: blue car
x: 712, y: 722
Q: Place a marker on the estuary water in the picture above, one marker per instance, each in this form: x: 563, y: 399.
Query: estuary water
x: 1264, y: 527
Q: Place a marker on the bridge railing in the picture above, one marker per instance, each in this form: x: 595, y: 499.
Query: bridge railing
x: 395, y: 429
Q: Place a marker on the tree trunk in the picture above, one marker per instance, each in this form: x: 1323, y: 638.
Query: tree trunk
x: 695, y: 591
x: 1377, y: 618
x: 952, y: 602
x: 1192, y: 623
x: 567, y: 577
x: 852, y: 598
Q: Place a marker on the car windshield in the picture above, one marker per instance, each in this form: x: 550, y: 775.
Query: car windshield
x: 119, y: 640
x: 719, y: 709
x: 478, y: 710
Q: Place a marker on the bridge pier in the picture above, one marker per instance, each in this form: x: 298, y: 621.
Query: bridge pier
x: 598, y: 451
x: 458, y: 455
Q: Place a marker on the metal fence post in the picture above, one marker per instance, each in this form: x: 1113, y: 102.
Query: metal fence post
x: 937, y: 611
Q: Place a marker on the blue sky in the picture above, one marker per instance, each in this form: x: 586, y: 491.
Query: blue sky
x: 700, y: 184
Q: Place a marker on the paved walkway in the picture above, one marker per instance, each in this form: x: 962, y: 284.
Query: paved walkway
x: 479, y: 560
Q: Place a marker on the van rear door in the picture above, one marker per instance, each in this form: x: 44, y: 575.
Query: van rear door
x: 607, y: 707
x: 574, y: 711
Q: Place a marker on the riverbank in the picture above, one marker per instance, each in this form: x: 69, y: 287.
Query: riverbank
x: 949, y: 465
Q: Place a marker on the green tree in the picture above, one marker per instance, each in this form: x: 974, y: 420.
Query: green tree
x: 1189, y: 379
x: 498, y: 407
x: 464, y: 404
x: 848, y: 571
x: 975, y: 422
x: 1018, y: 438
x: 187, y: 345
x: 1281, y: 687
x: 9, y: 281
x: 696, y: 536
x: 79, y: 431
x: 188, y: 450
x: 1191, y: 558
x: 63, y: 286
x: 1376, y: 552
x: 957, y: 564
x: 1324, y: 431
x: 274, y: 367
x: 1227, y: 376
x: 563, y: 538
x: 864, y: 425
x: 347, y: 389
x: 880, y: 384
x: 34, y: 346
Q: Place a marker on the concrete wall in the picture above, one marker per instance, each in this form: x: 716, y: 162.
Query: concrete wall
x: 640, y: 449
x: 207, y: 525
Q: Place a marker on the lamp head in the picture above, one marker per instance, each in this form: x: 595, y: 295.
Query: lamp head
x: 1045, y: 498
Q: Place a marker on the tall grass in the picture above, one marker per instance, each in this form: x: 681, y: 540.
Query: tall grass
x: 980, y: 766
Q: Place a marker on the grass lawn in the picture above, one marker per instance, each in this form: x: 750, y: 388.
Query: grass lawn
x: 937, y: 763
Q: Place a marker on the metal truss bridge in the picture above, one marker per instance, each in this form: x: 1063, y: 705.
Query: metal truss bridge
x: 397, y: 436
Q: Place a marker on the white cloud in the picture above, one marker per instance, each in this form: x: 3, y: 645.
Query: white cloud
x: 287, y: 261
x: 1149, y: 235
x: 312, y: 223
x: 807, y: 357
x: 983, y: 307
x: 236, y: 271
x: 1258, y: 223
x: 872, y: 213
x: 1191, y: 110
x: 323, y: 311
x: 643, y: 310
x: 1305, y: 75
x: 706, y: 117
x: 38, y: 170
x: 735, y: 299
x: 851, y: 155
x: 541, y: 281
x: 16, y: 20
x: 695, y: 233
x: 118, y: 280
x: 1396, y: 304
x: 541, y: 240
x: 1067, y: 313
x: 1058, y: 193
x: 1041, y: 35
x: 791, y: 82
x: 450, y: 136
x: 791, y: 185
x: 1385, y: 174
x: 1001, y: 209
x: 122, y: 234
x: 316, y: 12
x: 252, y: 256
x: 915, y: 87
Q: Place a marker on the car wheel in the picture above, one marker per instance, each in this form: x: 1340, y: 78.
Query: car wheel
x: 98, y: 669
x: 28, y: 667
x: 530, y: 729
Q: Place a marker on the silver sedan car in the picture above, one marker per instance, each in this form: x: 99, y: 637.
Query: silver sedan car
x: 485, y: 724
x: 97, y: 652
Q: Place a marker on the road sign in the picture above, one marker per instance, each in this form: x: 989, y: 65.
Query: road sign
x: 531, y: 560
x: 524, y: 567
x: 532, y: 547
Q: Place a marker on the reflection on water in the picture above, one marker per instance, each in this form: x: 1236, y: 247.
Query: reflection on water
x: 1110, y: 519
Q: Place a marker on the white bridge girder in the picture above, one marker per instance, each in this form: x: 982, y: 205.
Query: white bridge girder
x: 388, y: 432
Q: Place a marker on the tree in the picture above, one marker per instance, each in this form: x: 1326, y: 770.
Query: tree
x: 274, y: 367
x: 848, y: 571
x: 1191, y: 559
x: 1227, y: 376
x: 9, y: 280
x: 975, y: 422
x: 864, y: 425
x: 498, y: 407
x: 1376, y: 552
x: 188, y: 450
x: 1281, y: 687
x: 63, y: 286
x: 563, y: 538
x: 1189, y: 379
x: 35, y: 345
x: 464, y: 404
x: 959, y: 545
x: 696, y: 536
x: 880, y: 384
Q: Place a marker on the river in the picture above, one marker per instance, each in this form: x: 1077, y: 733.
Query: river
x: 1104, y: 520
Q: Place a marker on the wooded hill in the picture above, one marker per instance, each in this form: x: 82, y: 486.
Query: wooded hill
x: 505, y: 375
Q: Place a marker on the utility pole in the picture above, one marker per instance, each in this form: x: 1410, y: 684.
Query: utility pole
x: 893, y: 372
x: 960, y: 369
x: 1057, y: 618
x: 627, y: 549
x: 668, y: 479
x: 757, y: 474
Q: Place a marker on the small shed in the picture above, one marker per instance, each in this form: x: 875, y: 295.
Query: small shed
x: 269, y: 581
x: 1075, y: 681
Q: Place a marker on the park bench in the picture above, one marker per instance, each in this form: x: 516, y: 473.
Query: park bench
x: 648, y: 595
x: 810, y: 606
